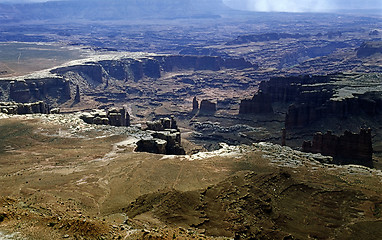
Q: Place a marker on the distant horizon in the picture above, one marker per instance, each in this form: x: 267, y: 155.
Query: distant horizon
x: 276, y: 5
x: 303, y: 5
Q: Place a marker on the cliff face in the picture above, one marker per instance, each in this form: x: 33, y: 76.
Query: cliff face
x: 51, y: 90
x: 312, y: 98
x: 369, y: 48
x: 24, y: 108
x: 349, y: 148
x: 106, y: 77
x: 207, y: 107
x: 299, y: 89
x: 303, y: 114
x: 259, y: 104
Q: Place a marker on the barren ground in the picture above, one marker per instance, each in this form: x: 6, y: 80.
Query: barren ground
x: 57, y: 183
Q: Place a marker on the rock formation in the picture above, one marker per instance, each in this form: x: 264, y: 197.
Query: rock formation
x: 350, y: 148
x: 207, y: 107
x: 164, y: 138
x: 283, y: 137
x: 260, y: 103
x: 113, y: 117
x: 24, y: 108
x: 50, y: 89
x: 151, y: 145
x: 195, y: 105
x: 286, y: 90
x: 311, y: 98
x: 369, y: 48
x: 77, y: 98
x: 162, y: 124
x: 303, y: 114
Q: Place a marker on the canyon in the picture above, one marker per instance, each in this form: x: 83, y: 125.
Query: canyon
x: 188, y: 119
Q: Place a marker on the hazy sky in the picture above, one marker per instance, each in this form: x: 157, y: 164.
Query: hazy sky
x: 286, y: 5
x: 303, y: 5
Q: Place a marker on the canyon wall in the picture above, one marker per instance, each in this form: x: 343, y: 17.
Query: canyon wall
x: 349, y: 148
x: 52, y: 90
x: 104, y: 76
x: 311, y: 98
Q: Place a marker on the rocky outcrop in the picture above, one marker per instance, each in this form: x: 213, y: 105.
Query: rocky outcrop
x: 113, y: 117
x: 350, y: 148
x: 303, y: 114
x: 77, y: 97
x: 297, y: 89
x: 24, y: 108
x: 195, y: 105
x: 369, y: 48
x: 207, y: 107
x: 164, y: 138
x: 260, y: 104
x: 151, y: 145
x: 162, y: 124
x: 50, y: 90
x: 311, y: 98
x: 300, y: 89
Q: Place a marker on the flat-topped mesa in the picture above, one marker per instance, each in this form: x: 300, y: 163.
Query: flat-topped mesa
x: 311, y: 98
x: 302, y: 114
x: 297, y: 89
x: 349, y: 148
x: 112, y: 117
x: 164, y: 138
x: 24, y: 108
x: 52, y: 90
x: 90, y: 74
x: 207, y: 107
x: 260, y: 104
x: 300, y: 89
x: 370, y: 48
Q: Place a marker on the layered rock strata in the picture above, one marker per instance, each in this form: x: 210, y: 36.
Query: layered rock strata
x: 164, y: 138
x: 349, y: 148
x: 113, y: 117
x: 24, y: 108
x: 49, y: 89
x: 207, y: 107
x: 259, y: 104
x: 311, y: 98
